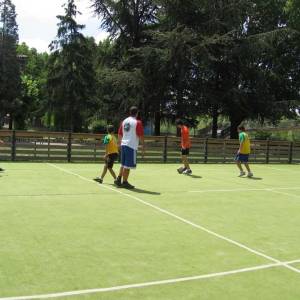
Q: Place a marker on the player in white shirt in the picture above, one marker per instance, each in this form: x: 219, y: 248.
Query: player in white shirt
x: 131, y: 132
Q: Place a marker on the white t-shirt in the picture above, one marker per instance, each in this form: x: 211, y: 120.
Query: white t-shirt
x: 131, y: 131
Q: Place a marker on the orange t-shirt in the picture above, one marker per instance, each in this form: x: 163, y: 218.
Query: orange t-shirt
x: 185, y: 137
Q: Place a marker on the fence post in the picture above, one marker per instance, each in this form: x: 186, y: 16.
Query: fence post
x: 165, y: 152
x: 13, y: 146
x: 268, y: 152
x: 291, y: 153
x: 206, y: 150
x: 48, y: 148
x: 34, y: 149
x: 69, y: 147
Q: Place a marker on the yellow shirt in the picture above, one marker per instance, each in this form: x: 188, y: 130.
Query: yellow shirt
x: 245, y: 143
x: 111, y: 144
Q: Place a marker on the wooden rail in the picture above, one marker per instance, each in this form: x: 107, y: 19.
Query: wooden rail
x: 76, y: 147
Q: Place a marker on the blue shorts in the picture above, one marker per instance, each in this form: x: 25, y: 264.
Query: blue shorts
x: 242, y: 157
x: 128, y: 157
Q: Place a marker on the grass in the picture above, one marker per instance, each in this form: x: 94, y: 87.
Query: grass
x: 62, y: 232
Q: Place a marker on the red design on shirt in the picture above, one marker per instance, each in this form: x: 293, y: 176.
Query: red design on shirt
x: 185, y: 137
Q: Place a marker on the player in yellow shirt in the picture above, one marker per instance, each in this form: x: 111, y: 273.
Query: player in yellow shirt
x: 111, y: 153
x: 243, y: 152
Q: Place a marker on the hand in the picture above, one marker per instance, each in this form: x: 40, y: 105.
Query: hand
x: 105, y: 156
x: 1, y: 142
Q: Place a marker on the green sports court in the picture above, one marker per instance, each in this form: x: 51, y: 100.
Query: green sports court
x: 211, y: 235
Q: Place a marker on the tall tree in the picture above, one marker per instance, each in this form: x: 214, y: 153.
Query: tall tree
x: 71, y: 78
x: 9, y: 65
x: 130, y: 24
x: 128, y: 20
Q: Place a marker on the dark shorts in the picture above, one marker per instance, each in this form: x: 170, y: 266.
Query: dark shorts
x: 128, y: 157
x: 242, y: 158
x: 185, y: 151
x: 110, y: 160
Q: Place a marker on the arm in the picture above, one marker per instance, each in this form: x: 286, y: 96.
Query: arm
x: 120, y: 134
x: 140, y: 134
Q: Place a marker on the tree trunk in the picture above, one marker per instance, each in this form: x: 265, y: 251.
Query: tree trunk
x: 215, y: 116
x: 11, y: 121
x: 235, y: 121
x: 157, y: 118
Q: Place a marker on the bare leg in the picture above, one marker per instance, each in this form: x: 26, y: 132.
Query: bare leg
x: 125, y: 174
x: 104, y: 172
x: 185, y: 162
x: 238, y: 163
x: 113, y: 174
x: 121, y: 172
x: 247, y: 167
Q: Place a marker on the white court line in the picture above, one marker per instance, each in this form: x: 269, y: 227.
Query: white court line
x: 284, y: 170
x: 164, y: 211
x: 271, y: 189
x: 151, y: 283
x: 286, y: 194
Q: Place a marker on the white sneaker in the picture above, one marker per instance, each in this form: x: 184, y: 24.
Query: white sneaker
x: 242, y: 174
x: 250, y: 174
x: 187, y: 172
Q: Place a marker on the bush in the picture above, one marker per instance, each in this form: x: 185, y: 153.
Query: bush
x: 262, y: 135
x: 98, y: 126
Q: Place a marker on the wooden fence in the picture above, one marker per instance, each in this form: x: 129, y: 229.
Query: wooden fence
x: 74, y: 147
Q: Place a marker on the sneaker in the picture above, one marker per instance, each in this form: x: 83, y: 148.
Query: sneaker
x: 127, y: 185
x: 188, y: 172
x: 99, y: 180
x: 118, y: 182
x: 242, y: 174
x: 181, y: 170
x: 250, y: 174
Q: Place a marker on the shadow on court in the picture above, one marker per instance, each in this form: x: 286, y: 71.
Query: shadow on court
x: 195, y: 176
x: 252, y: 178
x: 137, y: 190
x: 141, y: 191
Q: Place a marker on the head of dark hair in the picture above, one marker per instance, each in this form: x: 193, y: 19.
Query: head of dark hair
x: 110, y: 128
x: 242, y: 128
x: 133, y: 111
x: 179, y: 122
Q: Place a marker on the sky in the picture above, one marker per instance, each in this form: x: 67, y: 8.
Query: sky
x: 38, y: 23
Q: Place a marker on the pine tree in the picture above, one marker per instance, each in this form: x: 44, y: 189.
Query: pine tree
x: 71, y: 75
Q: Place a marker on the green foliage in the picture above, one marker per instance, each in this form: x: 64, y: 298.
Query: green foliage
x: 9, y: 64
x: 293, y: 11
x: 34, y: 72
x: 98, y: 126
x: 71, y: 76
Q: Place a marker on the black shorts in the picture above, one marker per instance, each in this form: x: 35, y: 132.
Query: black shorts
x: 185, y: 151
x: 110, y: 160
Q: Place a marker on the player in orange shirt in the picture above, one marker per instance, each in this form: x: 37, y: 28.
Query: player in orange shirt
x: 185, y: 148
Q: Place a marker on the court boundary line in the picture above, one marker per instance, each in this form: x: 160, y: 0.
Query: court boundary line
x: 282, y: 170
x: 151, y: 283
x: 164, y: 211
x: 47, y: 195
x: 271, y: 189
x: 286, y: 194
